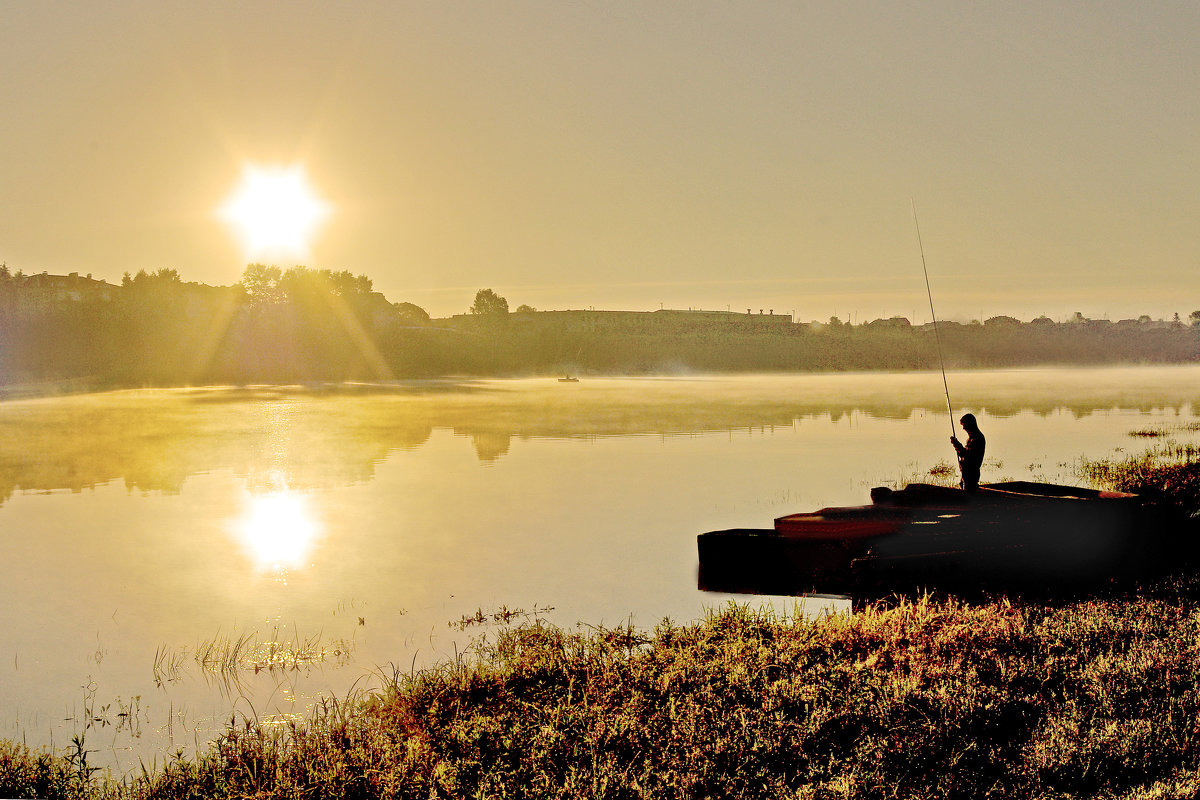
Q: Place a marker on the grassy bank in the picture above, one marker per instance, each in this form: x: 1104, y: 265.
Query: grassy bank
x: 924, y: 697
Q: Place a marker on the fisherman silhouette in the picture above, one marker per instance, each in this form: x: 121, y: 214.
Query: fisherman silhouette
x: 970, y: 455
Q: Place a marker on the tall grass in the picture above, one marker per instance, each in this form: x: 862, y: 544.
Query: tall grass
x: 228, y: 660
x: 915, y: 698
x: 1168, y: 474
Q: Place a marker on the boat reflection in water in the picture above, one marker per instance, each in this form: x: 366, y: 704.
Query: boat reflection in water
x: 1016, y: 536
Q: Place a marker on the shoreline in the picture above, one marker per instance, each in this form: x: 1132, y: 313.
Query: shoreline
x: 924, y: 696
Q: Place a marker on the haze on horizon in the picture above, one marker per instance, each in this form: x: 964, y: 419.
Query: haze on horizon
x: 627, y: 155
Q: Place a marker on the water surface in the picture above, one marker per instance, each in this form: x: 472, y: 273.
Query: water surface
x: 172, y: 557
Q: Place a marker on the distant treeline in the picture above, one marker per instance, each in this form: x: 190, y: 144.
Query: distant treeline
x: 513, y: 345
x: 302, y: 324
x: 273, y: 326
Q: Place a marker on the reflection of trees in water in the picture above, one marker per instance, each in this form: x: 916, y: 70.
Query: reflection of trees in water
x: 490, y: 445
x: 333, y: 436
x: 154, y: 441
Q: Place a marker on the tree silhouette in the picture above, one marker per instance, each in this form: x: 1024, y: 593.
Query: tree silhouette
x: 411, y: 313
x: 488, y: 303
x: 262, y: 284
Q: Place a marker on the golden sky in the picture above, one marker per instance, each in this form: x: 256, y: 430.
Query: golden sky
x: 627, y: 155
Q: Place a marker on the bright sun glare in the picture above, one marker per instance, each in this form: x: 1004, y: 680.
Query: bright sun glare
x: 278, y: 531
x: 275, y: 211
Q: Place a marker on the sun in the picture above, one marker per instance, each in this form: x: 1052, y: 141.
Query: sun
x: 275, y: 211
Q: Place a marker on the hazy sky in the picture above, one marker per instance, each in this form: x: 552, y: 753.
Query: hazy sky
x: 623, y: 155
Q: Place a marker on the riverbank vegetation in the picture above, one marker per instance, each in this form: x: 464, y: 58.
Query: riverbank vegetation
x: 301, y: 325
x: 1090, y: 697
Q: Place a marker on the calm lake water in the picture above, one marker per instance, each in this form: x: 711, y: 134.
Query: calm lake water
x: 170, y: 558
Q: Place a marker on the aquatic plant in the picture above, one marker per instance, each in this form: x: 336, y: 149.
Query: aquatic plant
x: 1168, y: 474
x: 248, y: 652
x: 168, y: 665
x: 502, y: 616
x: 1165, y: 430
x: 943, y: 473
x: 228, y: 660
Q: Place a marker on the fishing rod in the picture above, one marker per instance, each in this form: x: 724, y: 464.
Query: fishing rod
x: 937, y: 337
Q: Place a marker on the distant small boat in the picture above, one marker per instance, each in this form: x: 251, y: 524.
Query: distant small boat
x: 568, y: 379
x: 1006, y: 534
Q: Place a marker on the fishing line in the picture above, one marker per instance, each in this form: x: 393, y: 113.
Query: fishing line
x: 937, y: 337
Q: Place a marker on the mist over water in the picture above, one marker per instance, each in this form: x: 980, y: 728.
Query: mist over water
x: 172, y: 557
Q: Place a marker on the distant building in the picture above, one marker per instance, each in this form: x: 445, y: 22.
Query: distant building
x: 37, y: 293
x: 201, y: 300
x: 895, y: 323
x: 1002, y: 322
x: 662, y: 320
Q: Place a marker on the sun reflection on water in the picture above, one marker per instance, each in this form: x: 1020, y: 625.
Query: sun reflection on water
x: 278, y: 531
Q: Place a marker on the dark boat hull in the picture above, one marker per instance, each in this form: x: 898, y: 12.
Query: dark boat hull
x: 1006, y: 536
